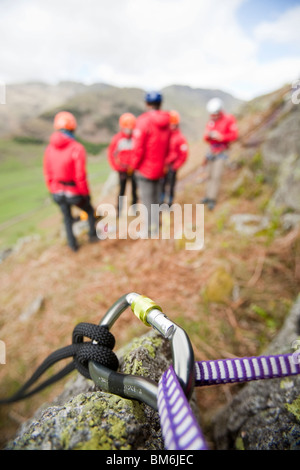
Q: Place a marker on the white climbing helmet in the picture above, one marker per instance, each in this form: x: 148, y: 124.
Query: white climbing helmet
x: 215, y: 105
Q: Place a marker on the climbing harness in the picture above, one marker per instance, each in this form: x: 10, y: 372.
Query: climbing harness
x: 95, y: 360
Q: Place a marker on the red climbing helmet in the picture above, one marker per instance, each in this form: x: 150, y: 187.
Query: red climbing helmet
x: 65, y: 120
x: 127, y: 121
x: 174, y: 117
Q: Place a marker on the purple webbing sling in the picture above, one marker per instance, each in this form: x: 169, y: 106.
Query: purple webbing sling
x: 179, y: 426
x: 245, y: 369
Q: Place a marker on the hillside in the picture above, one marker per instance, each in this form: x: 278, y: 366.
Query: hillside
x: 231, y: 297
x: 30, y: 108
x: 26, y: 101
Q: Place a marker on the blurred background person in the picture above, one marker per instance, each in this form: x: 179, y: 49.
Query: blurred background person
x: 151, y: 146
x: 177, y: 155
x: 220, y: 131
x: 120, y: 152
x: 66, y: 177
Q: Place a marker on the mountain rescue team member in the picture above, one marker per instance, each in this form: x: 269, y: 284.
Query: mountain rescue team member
x: 220, y: 131
x: 120, y: 156
x: 177, y: 155
x: 151, y: 145
x: 65, y: 175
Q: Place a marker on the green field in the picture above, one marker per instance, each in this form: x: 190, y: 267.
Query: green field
x: 25, y: 201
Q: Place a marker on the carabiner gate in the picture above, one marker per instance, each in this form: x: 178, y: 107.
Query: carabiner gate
x: 137, y: 387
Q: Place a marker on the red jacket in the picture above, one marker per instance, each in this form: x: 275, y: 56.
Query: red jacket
x: 65, y: 166
x: 227, y: 127
x: 151, y: 143
x: 178, y: 150
x: 120, y: 152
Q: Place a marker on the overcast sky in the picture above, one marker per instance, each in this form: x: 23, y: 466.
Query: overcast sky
x: 245, y: 47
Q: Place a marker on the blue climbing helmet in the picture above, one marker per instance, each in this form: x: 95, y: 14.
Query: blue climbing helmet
x: 153, y: 97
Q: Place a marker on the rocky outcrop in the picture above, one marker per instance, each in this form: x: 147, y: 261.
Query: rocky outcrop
x: 265, y: 415
x: 276, y: 142
x: 287, y: 194
x: 282, y: 140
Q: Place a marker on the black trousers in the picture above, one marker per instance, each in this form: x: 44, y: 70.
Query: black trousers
x: 123, y: 178
x: 168, y: 187
x: 83, y: 202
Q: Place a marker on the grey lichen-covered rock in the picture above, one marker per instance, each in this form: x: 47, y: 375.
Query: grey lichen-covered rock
x: 281, y: 158
x: 282, y: 139
x: 265, y: 415
x: 276, y: 155
x: 85, y: 418
x: 287, y: 194
x: 88, y: 421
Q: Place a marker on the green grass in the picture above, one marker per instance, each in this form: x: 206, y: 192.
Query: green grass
x: 25, y: 201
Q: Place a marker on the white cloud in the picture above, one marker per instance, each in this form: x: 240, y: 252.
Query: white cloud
x: 135, y: 43
x: 285, y: 29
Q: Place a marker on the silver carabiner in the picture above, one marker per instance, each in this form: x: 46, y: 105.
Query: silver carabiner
x: 137, y: 387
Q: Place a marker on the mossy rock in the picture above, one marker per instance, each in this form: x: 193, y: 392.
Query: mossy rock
x: 219, y: 287
x: 90, y: 421
x: 247, y: 185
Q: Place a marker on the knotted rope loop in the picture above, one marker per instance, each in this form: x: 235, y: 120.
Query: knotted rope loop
x: 99, y: 349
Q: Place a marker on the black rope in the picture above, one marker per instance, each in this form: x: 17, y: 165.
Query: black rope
x: 99, y: 350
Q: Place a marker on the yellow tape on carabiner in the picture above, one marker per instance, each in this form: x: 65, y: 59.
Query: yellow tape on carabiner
x: 141, y: 307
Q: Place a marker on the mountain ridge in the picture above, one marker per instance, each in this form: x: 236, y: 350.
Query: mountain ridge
x: 31, y: 106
